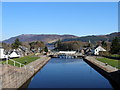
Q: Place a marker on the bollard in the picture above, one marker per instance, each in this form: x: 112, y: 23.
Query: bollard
x: 106, y: 64
x: 25, y: 62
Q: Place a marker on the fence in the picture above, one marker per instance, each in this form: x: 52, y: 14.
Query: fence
x: 15, y: 62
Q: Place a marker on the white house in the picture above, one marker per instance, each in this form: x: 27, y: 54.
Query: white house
x: 2, y: 54
x: 98, y: 49
x: 14, y: 54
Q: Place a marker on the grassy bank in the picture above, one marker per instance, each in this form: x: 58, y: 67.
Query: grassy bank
x: 115, y: 55
x: 24, y: 60
x: 112, y: 62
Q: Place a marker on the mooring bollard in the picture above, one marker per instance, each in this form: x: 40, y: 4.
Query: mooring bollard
x: 106, y: 64
x: 25, y: 62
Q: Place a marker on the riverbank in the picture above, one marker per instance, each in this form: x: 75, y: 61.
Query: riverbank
x: 15, y: 77
x: 111, y: 73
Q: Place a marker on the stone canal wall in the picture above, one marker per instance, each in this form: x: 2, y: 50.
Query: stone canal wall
x: 111, y: 73
x: 0, y: 76
x: 15, y: 77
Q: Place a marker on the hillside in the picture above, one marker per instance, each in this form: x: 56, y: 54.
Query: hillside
x: 51, y: 38
x: 95, y: 38
x: 47, y: 38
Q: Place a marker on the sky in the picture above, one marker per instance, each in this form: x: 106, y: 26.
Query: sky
x: 76, y: 18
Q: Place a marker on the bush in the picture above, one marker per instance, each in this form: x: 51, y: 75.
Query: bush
x: 104, y: 53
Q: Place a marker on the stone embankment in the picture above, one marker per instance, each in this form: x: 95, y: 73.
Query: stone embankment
x: 0, y: 76
x: 15, y: 77
x: 111, y: 73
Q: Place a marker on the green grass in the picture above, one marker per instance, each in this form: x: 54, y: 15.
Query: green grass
x: 22, y: 60
x: 115, y: 55
x: 112, y: 62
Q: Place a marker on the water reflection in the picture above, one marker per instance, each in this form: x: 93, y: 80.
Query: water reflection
x: 68, y: 73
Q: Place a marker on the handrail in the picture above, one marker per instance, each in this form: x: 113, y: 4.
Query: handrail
x: 29, y: 67
x: 15, y: 62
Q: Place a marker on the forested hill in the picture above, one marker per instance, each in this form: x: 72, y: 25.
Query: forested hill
x: 95, y: 38
x: 46, y: 38
x: 51, y: 38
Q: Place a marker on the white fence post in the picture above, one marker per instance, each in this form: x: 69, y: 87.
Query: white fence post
x: 6, y: 61
x: 14, y: 63
x: 29, y: 69
x: 20, y: 65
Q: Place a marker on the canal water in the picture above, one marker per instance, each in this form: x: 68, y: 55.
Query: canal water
x: 68, y: 73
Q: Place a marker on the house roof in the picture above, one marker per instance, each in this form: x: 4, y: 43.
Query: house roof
x: 15, y: 52
x: 101, y: 48
x: 22, y: 48
x: 96, y: 46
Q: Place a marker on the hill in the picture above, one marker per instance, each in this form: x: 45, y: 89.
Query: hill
x: 51, y: 38
x: 47, y: 38
x: 95, y: 38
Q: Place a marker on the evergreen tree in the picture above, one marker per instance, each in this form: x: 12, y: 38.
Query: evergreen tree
x: 16, y: 44
x: 104, y: 44
x: 46, y: 49
x: 58, y: 44
x: 115, y: 46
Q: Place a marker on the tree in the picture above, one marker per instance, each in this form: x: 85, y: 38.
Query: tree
x: 6, y: 46
x: 32, y: 45
x: 16, y: 44
x: 115, y: 46
x: 46, y: 49
x: 36, y: 45
x: 69, y: 45
x: 104, y: 44
x: 39, y: 44
x: 57, y: 44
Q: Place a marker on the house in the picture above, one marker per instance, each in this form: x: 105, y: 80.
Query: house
x: 98, y: 49
x: 82, y: 51
x: 33, y: 50
x: 23, y: 51
x: 14, y: 54
x: 2, y: 53
x: 88, y: 51
x: 40, y: 49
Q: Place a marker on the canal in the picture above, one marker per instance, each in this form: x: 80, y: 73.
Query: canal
x: 68, y: 73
